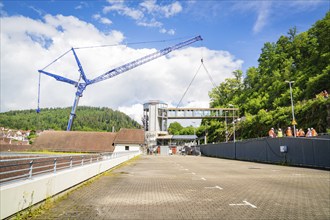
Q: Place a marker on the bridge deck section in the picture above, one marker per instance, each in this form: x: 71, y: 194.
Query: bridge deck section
x: 200, y: 113
x: 190, y: 187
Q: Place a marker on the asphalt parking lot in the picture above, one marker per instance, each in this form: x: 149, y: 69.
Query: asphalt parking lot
x: 192, y: 187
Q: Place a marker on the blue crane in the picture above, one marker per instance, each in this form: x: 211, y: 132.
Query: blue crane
x: 81, y: 86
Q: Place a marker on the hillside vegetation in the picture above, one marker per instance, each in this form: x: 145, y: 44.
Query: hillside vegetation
x: 263, y: 95
x: 87, y: 119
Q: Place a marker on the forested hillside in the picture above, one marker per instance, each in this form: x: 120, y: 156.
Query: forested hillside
x: 87, y: 119
x: 263, y: 95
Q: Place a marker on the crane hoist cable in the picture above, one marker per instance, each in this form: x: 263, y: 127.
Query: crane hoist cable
x: 190, y: 84
x: 209, y: 75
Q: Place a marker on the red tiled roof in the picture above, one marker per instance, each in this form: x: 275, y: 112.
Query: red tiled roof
x: 75, y: 141
x: 130, y: 136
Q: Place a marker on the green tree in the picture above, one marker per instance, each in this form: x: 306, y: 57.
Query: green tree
x: 175, y: 128
x: 264, y: 97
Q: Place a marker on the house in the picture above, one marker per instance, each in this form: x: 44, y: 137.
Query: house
x: 75, y: 141
x: 92, y: 142
x: 129, y: 140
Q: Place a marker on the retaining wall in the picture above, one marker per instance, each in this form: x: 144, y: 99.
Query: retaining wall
x: 309, y: 152
x: 17, y: 196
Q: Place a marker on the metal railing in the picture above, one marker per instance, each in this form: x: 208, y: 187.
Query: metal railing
x: 26, y: 168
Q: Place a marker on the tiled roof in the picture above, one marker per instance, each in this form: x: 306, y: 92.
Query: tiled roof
x: 130, y: 136
x: 75, y: 141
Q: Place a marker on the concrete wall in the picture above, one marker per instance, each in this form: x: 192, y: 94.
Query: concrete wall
x: 121, y: 147
x: 310, y: 152
x: 18, y: 196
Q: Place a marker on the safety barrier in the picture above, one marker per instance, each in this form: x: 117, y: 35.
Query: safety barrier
x: 25, y: 167
x: 18, y: 195
x: 308, y: 152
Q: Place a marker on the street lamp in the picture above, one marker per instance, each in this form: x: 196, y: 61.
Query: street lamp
x: 292, y: 107
x: 231, y: 105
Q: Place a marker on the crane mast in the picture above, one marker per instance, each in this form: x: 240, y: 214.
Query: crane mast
x: 81, y: 86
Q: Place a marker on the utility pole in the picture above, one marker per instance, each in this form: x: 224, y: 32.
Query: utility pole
x: 226, y: 126
x: 231, y: 105
x: 292, y: 108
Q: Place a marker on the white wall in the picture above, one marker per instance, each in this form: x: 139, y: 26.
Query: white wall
x: 17, y: 196
x: 121, y: 147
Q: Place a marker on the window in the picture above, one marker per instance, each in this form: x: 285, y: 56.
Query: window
x: 126, y: 147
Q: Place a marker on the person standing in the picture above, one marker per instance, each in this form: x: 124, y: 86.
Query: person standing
x: 271, y: 133
x: 314, y: 133
x: 288, y: 132
x: 309, y: 133
x: 301, y: 133
x: 279, y: 133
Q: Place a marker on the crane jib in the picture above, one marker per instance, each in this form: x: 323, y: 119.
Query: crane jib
x: 145, y: 59
x: 114, y: 72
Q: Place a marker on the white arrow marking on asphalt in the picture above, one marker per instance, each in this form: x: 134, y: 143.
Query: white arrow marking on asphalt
x: 245, y: 203
x: 214, y: 187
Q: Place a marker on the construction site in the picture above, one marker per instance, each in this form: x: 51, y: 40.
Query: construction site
x: 151, y: 174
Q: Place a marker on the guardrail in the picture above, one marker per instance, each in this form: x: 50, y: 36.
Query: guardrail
x: 26, y: 168
x: 24, y: 192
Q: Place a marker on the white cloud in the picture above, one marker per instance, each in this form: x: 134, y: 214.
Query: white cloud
x: 81, y: 5
x: 147, y: 13
x: 28, y: 45
x: 105, y: 21
x: 3, y: 13
x: 101, y: 19
x: 135, y: 111
x: 164, y: 10
x: 170, y: 32
x: 152, y: 23
x: 263, y: 14
x: 261, y: 8
x: 265, y: 9
x: 123, y: 10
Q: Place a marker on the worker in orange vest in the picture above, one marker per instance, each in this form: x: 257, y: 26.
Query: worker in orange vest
x: 271, y: 133
x: 314, y: 133
x: 288, y: 132
x: 301, y: 133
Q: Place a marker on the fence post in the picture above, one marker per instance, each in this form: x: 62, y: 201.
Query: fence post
x: 31, y: 167
x: 71, y: 162
x: 55, y: 161
x: 82, y: 160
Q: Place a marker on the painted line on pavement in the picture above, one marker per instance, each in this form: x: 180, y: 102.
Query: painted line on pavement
x: 244, y: 203
x: 213, y: 187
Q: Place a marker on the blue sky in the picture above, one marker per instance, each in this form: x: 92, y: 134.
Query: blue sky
x: 240, y: 27
x: 233, y: 32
